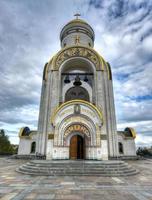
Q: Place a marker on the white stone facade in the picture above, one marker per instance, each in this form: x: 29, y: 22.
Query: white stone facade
x: 128, y: 144
x: 77, y: 103
x: 26, y: 142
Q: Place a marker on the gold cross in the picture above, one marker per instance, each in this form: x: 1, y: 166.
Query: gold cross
x: 77, y: 15
x: 77, y: 39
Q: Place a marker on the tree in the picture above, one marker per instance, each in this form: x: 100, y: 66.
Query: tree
x: 143, y: 151
x: 5, y: 145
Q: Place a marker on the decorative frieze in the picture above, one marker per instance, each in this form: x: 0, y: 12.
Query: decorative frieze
x: 78, y: 52
x: 77, y: 127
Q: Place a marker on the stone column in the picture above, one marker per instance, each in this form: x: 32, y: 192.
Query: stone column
x: 41, y: 117
x: 45, y: 111
x: 113, y: 120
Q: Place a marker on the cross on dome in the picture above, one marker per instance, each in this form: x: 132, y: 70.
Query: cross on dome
x: 77, y: 15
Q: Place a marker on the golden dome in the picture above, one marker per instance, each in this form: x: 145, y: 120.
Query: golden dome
x: 75, y: 25
x: 77, y: 21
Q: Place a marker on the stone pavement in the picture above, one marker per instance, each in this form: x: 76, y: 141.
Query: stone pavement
x: 18, y: 186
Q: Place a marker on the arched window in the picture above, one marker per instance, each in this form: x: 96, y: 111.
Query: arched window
x: 77, y: 92
x: 33, y: 147
x: 120, y: 145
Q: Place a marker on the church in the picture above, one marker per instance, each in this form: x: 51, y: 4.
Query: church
x: 77, y: 113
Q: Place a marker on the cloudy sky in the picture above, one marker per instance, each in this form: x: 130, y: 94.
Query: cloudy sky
x: 29, y: 37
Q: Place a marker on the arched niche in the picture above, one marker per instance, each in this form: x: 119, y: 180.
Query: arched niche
x: 70, y: 85
x: 77, y: 92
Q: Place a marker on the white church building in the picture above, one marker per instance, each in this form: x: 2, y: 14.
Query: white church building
x: 77, y: 114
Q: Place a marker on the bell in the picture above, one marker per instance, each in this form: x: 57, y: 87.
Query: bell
x: 86, y: 78
x: 77, y: 81
x: 66, y: 80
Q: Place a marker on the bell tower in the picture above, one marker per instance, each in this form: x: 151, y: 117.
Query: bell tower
x: 77, y: 115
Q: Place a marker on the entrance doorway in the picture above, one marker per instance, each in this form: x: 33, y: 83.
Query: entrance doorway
x: 77, y: 147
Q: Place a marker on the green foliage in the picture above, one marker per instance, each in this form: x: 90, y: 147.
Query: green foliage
x: 5, y: 145
x: 143, y: 151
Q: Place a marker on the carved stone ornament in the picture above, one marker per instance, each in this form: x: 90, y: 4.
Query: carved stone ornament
x: 50, y: 136
x: 77, y: 127
x: 77, y: 52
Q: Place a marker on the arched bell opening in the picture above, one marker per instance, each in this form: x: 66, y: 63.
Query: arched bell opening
x: 77, y: 73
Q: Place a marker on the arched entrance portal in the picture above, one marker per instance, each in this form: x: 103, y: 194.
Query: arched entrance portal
x: 77, y: 147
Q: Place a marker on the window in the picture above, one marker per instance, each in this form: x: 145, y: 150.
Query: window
x: 120, y: 145
x: 33, y: 147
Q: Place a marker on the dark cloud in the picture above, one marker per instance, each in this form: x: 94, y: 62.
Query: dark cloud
x: 9, y: 119
x: 98, y: 4
x: 117, y: 9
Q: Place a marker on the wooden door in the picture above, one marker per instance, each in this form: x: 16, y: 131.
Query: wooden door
x: 73, y: 147
x: 77, y: 147
x: 80, y: 147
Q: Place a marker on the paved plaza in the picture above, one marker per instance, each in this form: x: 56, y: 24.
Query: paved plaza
x: 18, y: 186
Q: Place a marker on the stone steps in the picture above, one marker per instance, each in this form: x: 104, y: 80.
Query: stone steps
x: 75, y: 171
x: 77, y: 168
x: 80, y: 166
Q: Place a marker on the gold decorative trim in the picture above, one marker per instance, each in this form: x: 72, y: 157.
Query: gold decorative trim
x: 26, y: 136
x: 23, y: 136
x: 77, y: 52
x: 108, y: 70
x: 77, y: 127
x: 133, y: 132
x: 128, y: 130
x: 74, y: 51
x: 100, y: 66
x: 77, y: 21
x: 76, y: 101
x: 21, y: 131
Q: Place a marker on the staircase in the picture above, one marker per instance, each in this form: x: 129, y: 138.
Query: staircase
x: 77, y: 168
